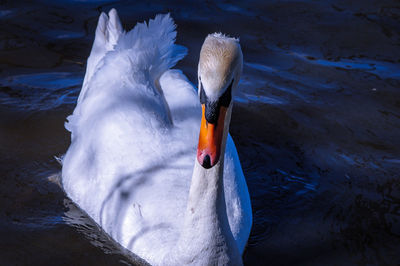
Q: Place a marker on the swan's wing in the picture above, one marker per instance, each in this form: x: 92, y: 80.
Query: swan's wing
x: 181, y: 98
x: 108, y: 31
x: 152, y: 46
x: 119, y: 124
x: 128, y: 66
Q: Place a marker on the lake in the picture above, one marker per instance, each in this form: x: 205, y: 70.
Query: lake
x: 316, y: 123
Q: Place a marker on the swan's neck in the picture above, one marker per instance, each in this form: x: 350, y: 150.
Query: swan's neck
x: 206, y: 237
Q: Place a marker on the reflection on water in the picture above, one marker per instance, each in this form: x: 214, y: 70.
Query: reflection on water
x: 316, y: 124
x: 40, y: 91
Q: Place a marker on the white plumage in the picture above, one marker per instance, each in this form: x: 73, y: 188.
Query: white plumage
x: 134, y: 133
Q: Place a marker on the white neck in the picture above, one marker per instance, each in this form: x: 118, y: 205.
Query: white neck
x: 206, y: 237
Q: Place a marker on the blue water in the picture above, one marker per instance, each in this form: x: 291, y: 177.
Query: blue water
x: 316, y: 123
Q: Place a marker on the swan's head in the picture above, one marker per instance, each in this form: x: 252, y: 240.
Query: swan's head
x: 219, y: 72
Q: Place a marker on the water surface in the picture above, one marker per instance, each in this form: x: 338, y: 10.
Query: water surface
x: 316, y: 124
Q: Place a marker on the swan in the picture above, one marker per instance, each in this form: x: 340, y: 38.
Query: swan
x: 137, y: 164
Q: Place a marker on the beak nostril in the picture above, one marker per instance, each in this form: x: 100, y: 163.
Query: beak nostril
x: 207, y: 162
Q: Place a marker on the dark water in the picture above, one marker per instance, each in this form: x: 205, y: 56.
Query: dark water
x: 316, y: 124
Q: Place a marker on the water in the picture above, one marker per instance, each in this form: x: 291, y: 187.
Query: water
x: 316, y: 124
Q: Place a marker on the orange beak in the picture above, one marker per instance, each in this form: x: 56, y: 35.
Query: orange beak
x: 210, y: 139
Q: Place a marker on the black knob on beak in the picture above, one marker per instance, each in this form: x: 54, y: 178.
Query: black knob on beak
x: 207, y: 162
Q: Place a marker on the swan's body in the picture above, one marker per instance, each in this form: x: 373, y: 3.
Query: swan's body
x: 130, y: 164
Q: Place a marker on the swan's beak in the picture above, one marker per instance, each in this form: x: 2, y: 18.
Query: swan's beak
x: 210, y: 139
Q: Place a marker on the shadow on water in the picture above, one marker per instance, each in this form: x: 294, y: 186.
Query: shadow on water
x: 316, y: 125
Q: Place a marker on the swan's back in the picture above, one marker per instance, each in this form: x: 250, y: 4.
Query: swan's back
x: 133, y: 140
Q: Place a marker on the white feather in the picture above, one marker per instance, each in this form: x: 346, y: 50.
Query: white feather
x: 133, y: 141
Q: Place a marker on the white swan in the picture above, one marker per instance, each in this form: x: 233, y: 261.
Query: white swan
x: 132, y: 163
